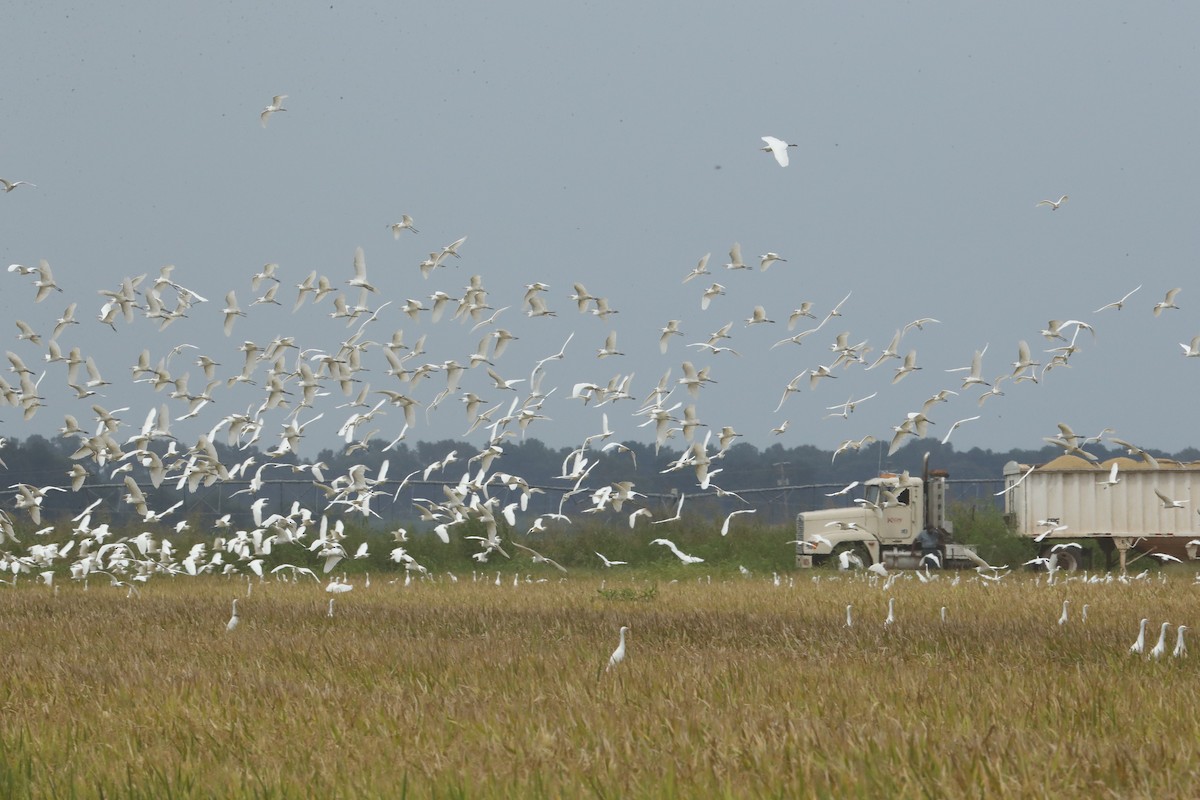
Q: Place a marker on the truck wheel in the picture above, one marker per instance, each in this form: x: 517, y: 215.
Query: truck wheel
x: 856, y: 549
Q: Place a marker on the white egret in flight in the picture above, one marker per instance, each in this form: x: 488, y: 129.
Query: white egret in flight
x: 276, y: 105
x: 777, y: 148
x: 1054, y: 204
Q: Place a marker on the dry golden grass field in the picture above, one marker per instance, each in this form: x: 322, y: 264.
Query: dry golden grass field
x: 735, y: 687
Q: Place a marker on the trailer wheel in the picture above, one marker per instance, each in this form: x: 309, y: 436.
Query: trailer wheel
x: 1069, y: 558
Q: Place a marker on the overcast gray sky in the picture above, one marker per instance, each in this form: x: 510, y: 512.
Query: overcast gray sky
x: 614, y: 144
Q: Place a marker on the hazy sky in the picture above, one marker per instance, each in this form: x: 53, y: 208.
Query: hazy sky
x: 614, y: 144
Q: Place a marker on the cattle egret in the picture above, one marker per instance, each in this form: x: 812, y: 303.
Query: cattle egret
x: 1016, y: 483
x: 682, y: 556
x: 955, y: 426
x: 231, y: 312
x: 618, y: 655
x: 1140, y: 644
x: 844, y: 490
x: 1167, y: 302
x: 1112, y: 479
x: 1054, y: 204
x: 608, y: 562
x: 45, y: 282
x: 769, y: 258
x: 538, y: 558
x: 1161, y: 646
x: 758, y: 316
x: 10, y: 185
x: 735, y: 258
x: 276, y: 105
x: 233, y: 620
x: 1167, y: 502
x: 847, y: 559
x: 712, y: 291
x: 777, y: 148
x: 701, y: 268
x: 405, y: 223
x: 1118, y: 305
x: 732, y: 514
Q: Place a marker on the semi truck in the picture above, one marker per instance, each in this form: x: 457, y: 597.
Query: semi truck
x: 882, y: 526
x: 1144, y: 506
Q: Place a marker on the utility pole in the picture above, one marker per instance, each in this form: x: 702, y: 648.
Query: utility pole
x: 782, y: 467
x: 782, y: 481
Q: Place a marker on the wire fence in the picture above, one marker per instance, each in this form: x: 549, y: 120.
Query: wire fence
x: 396, y: 501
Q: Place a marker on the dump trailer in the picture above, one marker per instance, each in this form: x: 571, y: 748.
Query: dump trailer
x: 1149, y: 506
x: 882, y: 526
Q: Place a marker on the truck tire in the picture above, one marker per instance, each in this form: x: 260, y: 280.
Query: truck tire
x: 856, y: 548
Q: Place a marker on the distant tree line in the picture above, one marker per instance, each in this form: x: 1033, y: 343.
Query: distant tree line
x: 47, y: 462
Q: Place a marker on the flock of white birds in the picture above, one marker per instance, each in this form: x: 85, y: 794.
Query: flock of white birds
x: 376, y: 372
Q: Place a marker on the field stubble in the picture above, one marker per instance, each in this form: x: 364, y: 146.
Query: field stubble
x: 735, y: 687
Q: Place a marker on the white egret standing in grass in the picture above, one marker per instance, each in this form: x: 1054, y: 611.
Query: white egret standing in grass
x: 849, y: 620
x: 891, y: 617
x: 233, y: 620
x: 1140, y: 645
x: 329, y: 613
x: 618, y: 655
x: 1083, y: 613
x: 1180, y: 648
x: 1161, y: 646
x: 1062, y: 620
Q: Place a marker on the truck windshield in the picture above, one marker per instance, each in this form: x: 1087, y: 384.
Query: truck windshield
x: 874, y: 495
